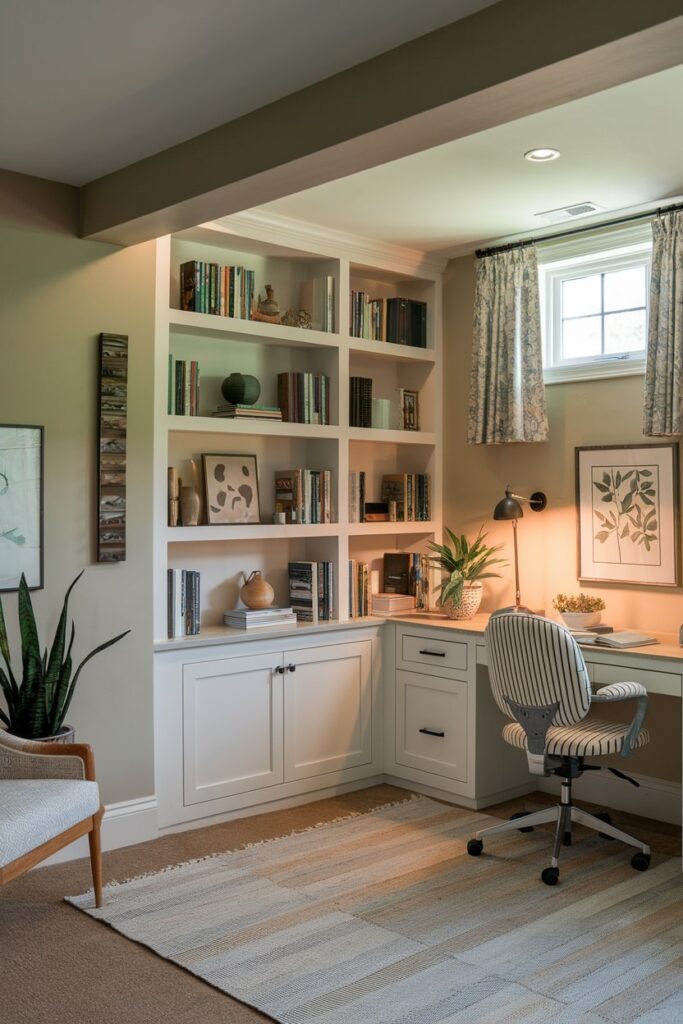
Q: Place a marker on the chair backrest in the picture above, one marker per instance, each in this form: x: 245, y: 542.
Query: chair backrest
x: 537, y: 662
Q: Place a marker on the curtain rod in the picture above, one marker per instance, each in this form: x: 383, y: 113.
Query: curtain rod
x: 480, y: 253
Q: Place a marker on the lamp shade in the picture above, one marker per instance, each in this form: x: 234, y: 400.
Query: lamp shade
x: 508, y: 508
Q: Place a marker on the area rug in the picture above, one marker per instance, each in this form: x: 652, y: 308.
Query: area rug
x: 382, y: 918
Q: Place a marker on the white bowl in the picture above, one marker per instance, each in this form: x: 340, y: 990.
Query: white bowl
x: 580, y: 620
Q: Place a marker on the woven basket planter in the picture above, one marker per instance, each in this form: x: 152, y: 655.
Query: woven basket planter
x: 469, y: 602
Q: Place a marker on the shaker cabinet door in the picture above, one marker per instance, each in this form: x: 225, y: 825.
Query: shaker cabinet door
x: 431, y: 724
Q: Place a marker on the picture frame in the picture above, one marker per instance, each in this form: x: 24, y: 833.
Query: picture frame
x: 111, y: 447
x: 628, y: 518
x: 410, y: 409
x: 22, y: 469
x: 231, y: 489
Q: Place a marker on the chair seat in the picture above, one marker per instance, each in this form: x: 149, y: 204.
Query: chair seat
x: 584, y: 739
x: 32, y: 811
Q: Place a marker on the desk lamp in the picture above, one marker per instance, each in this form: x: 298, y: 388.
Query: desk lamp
x: 509, y: 508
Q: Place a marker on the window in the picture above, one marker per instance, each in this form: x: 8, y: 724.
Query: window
x: 594, y: 302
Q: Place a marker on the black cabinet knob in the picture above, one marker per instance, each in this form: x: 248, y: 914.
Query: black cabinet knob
x: 291, y: 668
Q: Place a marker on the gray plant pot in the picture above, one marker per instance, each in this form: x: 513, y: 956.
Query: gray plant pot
x: 67, y: 734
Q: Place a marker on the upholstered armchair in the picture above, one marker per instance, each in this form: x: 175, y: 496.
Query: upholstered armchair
x: 48, y: 799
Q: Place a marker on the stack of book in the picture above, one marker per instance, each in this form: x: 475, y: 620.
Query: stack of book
x: 356, y: 497
x: 359, y: 589
x: 360, y: 401
x: 184, y: 606
x: 228, y: 411
x: 316, y: 296
x: 212, y: 288
x: 304, y: 397
x: 367, y: 317
x: 407, y: 322
x: 412, y: 494
x: 183, y: 387
x: 250, y: 618
x: 304, y: 495
x: 311, y: 590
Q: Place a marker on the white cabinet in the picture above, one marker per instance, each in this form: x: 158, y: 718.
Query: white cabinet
x: 232, y: 726
x: 431, y: 724
x: 328, y: 709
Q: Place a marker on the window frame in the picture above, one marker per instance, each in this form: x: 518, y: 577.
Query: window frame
x: 579, y: 257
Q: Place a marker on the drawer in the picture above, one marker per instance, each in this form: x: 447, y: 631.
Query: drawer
x: 431, y: 725
x: 432, y: 651
x: 653, y: 680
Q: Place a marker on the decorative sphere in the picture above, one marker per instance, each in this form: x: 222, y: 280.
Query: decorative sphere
x: 241, y: 389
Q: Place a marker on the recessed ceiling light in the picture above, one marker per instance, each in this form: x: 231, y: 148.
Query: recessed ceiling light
x: 542, y: 155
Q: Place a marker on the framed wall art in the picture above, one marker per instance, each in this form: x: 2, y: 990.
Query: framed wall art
x: 111, y: 467
x: 231, y: 489
x: 21, y: 506
x: 628, y: 514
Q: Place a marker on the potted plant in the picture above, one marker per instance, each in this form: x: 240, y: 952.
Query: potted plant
x: 37, y: 705
x: 464, y: 566
x: 579, y: 611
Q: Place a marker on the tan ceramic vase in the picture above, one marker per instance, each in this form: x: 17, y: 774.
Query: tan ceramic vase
x: 256, y: 592
x: 189, y: 506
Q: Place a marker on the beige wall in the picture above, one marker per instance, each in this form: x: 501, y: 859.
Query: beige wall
x: 591, y: 412
x: 58, y: 294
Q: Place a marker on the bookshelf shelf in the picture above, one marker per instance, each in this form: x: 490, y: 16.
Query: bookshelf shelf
x: 389, y: 529
x: 250, y: 428
x: 255, y: 531
x: 389, y: 350
x: 207, y: 325
x: 373, y: 436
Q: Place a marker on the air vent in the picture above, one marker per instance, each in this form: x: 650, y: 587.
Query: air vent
x: 566, y: 213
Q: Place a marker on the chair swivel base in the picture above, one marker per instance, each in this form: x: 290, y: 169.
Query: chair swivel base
x: 564, y: 815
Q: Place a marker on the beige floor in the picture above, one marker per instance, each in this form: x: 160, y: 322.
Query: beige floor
x: 58, y: 966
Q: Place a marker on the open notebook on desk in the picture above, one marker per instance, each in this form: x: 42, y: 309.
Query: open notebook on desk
x: 621, y: 638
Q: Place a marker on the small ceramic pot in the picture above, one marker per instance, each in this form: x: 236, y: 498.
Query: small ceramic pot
x: 241, y: 389
x: 67, y: 734
x: 580, y: 620
x: 189, y: 506
x: 468, y: 605
x: 256, y: 592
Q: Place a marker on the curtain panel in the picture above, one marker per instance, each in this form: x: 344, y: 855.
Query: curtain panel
x: 663, y: 409
x: 507, y: 394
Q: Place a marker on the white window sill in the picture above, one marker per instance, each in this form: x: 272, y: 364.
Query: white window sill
x: 593, y: 371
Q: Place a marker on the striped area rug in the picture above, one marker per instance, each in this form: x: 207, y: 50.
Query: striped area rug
x: 384, y: 919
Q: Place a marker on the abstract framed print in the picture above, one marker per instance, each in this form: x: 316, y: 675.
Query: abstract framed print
x: 21, y: 506
x: 231, y: 489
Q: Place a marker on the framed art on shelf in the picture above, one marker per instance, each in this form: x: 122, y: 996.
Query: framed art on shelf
x: 231, y: 489
x: 21, y: 506
x: 410, y: 409
x: 628, y: 514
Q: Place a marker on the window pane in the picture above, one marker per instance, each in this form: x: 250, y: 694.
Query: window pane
x: 625, y: 332
x: 581, y: 338
x: 581, y: 296
x: 625, y: 289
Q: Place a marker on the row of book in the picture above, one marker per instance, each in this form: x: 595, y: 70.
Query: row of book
x: 183, y: 387
x: 396, y: 320
x: 311, y: 591
x: 184, y: 605
x: 360, y: 401
x: 304, y: 495
x: 356, y: 496
x: 316, y: 296
x: 228, y: 411
x: 419, y: 579
x: 304, y: 397
x: 359, y: 589
x: 213, y: 288
x: 412, y: 494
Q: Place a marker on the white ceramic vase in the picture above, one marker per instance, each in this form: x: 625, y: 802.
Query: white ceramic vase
x: 468, y: 605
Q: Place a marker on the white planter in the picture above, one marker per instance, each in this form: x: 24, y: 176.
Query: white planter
x: 469, y: 602
x: 580, y: 620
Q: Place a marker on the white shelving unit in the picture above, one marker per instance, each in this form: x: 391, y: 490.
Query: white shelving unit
x: 283, y: 254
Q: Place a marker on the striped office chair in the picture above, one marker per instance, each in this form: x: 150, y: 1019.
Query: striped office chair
x: 540, y: 680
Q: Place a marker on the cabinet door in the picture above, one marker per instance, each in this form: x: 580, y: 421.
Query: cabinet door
x: 328, y: 709
x: 431, y: 724
x: 232, y: 726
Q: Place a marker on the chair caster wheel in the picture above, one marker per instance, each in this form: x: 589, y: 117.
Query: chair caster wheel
x: 640, y: 861
x: 606, y: 817
x: 522, y: 814
x: 474, y: 847
x: 550, y: 876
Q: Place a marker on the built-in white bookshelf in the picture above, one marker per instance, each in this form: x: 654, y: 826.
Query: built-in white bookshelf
x: 284, y: 254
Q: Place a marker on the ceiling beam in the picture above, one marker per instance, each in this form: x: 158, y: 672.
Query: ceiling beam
x: 509, y: 60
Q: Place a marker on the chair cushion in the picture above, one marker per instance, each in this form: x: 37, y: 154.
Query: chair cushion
x: 584, y: 739
x: 35, y: 810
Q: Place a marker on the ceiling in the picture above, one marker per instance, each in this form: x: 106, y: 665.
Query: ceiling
x: 87, y: 87
x: 620, y: 148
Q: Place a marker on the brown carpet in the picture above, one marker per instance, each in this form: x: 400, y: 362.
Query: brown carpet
x: 59, y: 966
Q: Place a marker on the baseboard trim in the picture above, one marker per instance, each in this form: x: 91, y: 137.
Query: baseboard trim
x: 458, y: 800
x: 655, y: 798
x: 124, y: 824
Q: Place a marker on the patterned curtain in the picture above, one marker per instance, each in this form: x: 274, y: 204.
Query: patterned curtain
x: 663, y: 413
x: 507, y: 394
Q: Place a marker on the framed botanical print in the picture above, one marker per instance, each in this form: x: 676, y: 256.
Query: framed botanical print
x: 231, y: 489
x: 21, y: 506
x: 628, y: 514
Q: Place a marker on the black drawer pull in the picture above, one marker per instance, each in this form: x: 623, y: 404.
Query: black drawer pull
x: 433, y: 732
x: 434, y: 654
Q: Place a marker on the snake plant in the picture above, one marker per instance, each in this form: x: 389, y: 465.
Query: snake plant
x: 462, y: 562
x: 37, y: 706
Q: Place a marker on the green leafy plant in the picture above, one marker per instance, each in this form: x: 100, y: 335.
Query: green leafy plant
x: 37, y: 706
x: 583, y: 603
x: 462, y: 562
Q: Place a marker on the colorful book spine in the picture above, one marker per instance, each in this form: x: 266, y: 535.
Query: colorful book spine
x: 184, y: 603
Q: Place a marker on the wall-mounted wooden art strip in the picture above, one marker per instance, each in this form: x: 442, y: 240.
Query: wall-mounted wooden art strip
x: 111, y: 454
